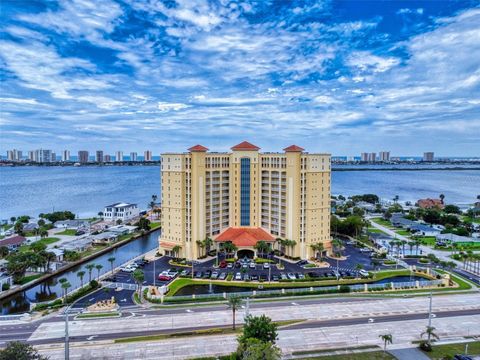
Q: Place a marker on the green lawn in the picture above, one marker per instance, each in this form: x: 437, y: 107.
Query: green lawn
x: 428, y: 240
x: 68, y: 232
x: 382, y: 221
x: 449, y: 350
x: 45, y: 241
x: 29, y: 278
x: 403, y: 232
x: 474, y: 220
x: 97, y: 315
x: 155, y: 225
x: 375, y: 230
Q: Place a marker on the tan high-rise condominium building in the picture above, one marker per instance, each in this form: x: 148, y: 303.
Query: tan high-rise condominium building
x: 244, y: 197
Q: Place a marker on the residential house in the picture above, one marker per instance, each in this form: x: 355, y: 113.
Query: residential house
x: 104, y: 238
x: 120, y: 211
x: 72, y: 224
x: 13, y: 243
x: 430, y: 203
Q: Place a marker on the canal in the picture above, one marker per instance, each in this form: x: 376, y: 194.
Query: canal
x: 51, y: 289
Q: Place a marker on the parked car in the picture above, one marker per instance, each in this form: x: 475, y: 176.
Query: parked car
x: 364, y: 273
x: 199, y: 274
x: 245, y: 266
x: 223, y: 264
x: 172, y: 273
x: 301, y: 276
x: 214, y: 275
x: 207, y: 274
x: 275, y: 278
x: 238, y: 276
x: 252, y: 265
x: 313, y: 275
x: 238, y: 265
x: 291, y: 276
x: 462, y: 357
x: 266, y: 265
x: 302, y: 262
x: 365, y: 250
x: 283, y: 276
x: 246, y: 277
x: 222, y: 276
x: 254, y: 277
x: 128, y: 268
x: 263, y: 277
x: 229, y: 265
x: 164, y: 276
x: 184, y: 273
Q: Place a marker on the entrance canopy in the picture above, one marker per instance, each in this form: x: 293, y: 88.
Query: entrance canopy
x: 244, y: 236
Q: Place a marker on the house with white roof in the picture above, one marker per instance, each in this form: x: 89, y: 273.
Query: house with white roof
x: 120, y: 211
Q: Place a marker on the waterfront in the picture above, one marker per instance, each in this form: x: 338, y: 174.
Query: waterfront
x: 50, y: 289
x: 86, y: 190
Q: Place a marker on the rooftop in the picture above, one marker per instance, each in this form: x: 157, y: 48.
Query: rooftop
x: 14, y: 240
x: 293, y: 148
x: 244, y: 236
x: 245, y: 146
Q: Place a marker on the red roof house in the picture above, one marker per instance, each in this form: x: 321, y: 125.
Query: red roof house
x: 244, y: 236
x: 13, y: 242
x: 430, y: 203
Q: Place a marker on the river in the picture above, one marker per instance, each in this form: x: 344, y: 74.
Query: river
x: 86, y: 190
x: 50, y: 289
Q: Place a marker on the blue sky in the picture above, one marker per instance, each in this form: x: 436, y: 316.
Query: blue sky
x: 331, y: 76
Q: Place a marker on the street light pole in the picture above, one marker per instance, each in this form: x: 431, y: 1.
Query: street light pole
x: 154, y: 272
x: 67, y: 344
x: 430, y: 311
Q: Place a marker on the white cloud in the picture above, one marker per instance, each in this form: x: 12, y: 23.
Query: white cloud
x: 165, y: 106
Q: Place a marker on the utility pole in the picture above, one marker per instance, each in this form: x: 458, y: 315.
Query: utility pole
x: 430, y: 311
x: 154, y: 272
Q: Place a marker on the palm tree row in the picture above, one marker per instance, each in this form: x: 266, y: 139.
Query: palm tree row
x: 286, y: 245
x: 471, y: 261
x: 204, y: 244
x: 318, y: 249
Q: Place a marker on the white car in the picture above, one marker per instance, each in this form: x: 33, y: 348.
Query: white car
x: 291, y: 276
x: 266, y: 265
x: 238, y: 276
x: 364, y: 273
x: 128, y: 269
x: 229, y: 266
x: 252, y: 265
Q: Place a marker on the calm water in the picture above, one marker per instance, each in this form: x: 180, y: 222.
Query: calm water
x: 86, y: 190
x: 219, y: 289
x: 51, y: 289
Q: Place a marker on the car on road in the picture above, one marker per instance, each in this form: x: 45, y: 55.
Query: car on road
x: 291, y: 276
x: 252, y: 265
x: 222, y: 276
x: 365, y: 250
x: 302, y: 262
x: 266, y: 266
x: 313, y: 275
x: 214, y: 275
x: 238, y: 276
x: 128, y: 268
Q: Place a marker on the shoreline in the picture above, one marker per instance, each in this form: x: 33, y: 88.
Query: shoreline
x: 11, y: 292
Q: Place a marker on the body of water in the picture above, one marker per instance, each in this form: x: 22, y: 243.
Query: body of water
x: 86, y: 190
x: 51, y: 289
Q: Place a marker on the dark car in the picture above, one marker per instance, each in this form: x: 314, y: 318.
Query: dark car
x: 313, y: 275
x: 238, y: 265
x: 198, y: 274
x: 263, y: 277
x: 275, y: 278
x: 462, y: 357
x: 302, y: 262
x: 208, y: 273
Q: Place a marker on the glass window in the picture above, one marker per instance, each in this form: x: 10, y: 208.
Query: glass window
x: 245, y: 192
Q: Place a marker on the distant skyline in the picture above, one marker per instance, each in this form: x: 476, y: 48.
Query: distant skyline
x: 342, y: 77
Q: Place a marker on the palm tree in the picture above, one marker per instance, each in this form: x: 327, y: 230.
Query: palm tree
x: 176, y: 250
x: 139, y: 277
x: 81, y: 274
x: 152, y: 203
x: 111, y: 260
x: 417, y: 243
x: 337, y: 244
x: 403, y: 242
x: 229, y: 248
x: 98, y: 267
x: 207, y: 243
x: 234, y: 303
x: 90, y: 268
x: 387, y: 339
x: 262, y: 247
x: 395, y: 199
x: 430, y: 332
x: 65, y: 286
x: 442, y: 197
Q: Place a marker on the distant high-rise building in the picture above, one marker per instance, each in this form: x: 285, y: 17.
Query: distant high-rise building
x: 53, y: 157
x: 107, y: 158
x: 14, y: 155
x: 133, y: 156
x: 428, y: 156
x: 372, y: 157
x: 99, y: 156
x: 384, y: 156
x: 147, y: 155
x: 44, y: 156
x: 83, y: 156
x: 66, y: 155
x: 9, y: 155
x: 32, y: 156
x: 364, y: 156
x: 119, y: 156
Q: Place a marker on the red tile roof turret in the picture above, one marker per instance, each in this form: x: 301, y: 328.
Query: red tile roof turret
x: 245, y: 145
x: 293, y: 148
x: 198, y: 148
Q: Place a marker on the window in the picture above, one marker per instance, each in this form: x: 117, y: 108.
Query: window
x: 245, y: 192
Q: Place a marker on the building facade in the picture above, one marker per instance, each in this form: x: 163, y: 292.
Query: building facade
x: 428, y: 156
x: 133, y: 156
x: 147, y: 155
x: 99, y: 156
x: 120, y: 211
x: 119, y: 156
x: 384, y: 156
x: 245, y: 195
x: 83, y: 156
x: 66, y: 155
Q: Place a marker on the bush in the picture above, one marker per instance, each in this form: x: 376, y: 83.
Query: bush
x: 424, y: 346
x: 5, y: 286
x: 344, y: 289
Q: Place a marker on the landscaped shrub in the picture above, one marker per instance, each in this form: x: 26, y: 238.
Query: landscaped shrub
x: 424, y: 346
x: 344, y: 289
x: 5, y: 286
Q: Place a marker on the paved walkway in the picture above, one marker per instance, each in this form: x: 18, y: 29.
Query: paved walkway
x: 408, y: 354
